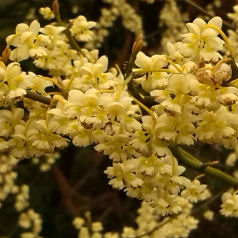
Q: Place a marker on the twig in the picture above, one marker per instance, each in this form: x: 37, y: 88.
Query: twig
x: 196, y: 164
x: 162, y: 223
x: 37, y: 97
x: 73, y: 43
x: 124, y: 51
x: 208, y: 202
x: 66, y: 191
x: 229, y: 25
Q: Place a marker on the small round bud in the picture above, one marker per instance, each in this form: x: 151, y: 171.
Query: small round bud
x: 222, y: 74
x: 205, y: 76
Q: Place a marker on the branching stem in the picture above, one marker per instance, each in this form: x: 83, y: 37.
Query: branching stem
x: 196, y: 164
x: 37, y: 97
x: 205, y: 12
x: 73, y: 43
x: 151, y: 113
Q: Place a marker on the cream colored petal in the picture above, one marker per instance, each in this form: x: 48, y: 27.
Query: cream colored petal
x: 217, y: 21
x: 75, y: 96
x: 26, y: 36
x: 193, y: 28
x: 13, y: 70
x: 22, y: 27
x: 142, y: 60
x: 199, y: 22
x: 35, y: 27
x: 103, y: 60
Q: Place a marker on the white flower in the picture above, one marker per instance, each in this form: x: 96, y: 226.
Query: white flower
x: 24, y: 41
x: 46, y: 12
x: 195, y: 191
x: 215, y: 126
x: 209, y: 215
x: 173, y: 52
x: 9, y: 119
x: 80, y: 28
x: 154, y: 62
x: 78, y: 222
x: 97, y: 226
x: 123, y: 174
x: 229, y: 205
x: 42, y: 136
x: 231, y: 159
x: 154, y: 79
x: 201, y: 42
x: 95, y: 75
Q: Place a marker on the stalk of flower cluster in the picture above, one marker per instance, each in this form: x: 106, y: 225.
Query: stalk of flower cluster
x: 196, y: 164
x: 73, y: 43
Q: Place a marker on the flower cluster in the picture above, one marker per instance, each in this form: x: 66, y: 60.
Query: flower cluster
x: 86, y: 102
x: 149, y: 224
x: 47, y: 13
x: 27, y: 41
x: 80, y: 28
x: 202, y: 41
x: 130, y: 20
x: 98, y: 109
x: 229, y: 205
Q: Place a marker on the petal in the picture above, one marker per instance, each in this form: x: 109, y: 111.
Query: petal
x: 208, y: 32
x: 35, y: 27
x: 41, y: 126
x: 142, y: 60
x: 199, y: 22
x: 193, y: 28
x: 75, y: 96
x: 18, y: 113
x: 13, y: 70
x: 171, y: 48
x: 178, y: 83
x: 26, y: 36
x: 158, y: 61
x: 10, y: 39
x: 103, y: 60
x: 22, y: 27
x: 217, y: 21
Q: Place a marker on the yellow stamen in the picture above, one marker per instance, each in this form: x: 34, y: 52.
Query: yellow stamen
x: 121, y: 87
x: 105, y: 91
x: 175, y: 66
x: 220, y: 62
x: 57, y: 98
x: 54, y: 93
x: 118, y: 93
x: 53, y: 81
x: 70, y: 82
x: 144, y: 71
x: 223, y: 35
x: 198, y: 177
x: 151, y: 113
x: 118, y: 68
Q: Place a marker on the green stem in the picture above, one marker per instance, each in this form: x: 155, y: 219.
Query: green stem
x: 72, y: 41
x: 196, y: 164
x: 208, y: 202
x: 130, y: 65
x: 37, y: 97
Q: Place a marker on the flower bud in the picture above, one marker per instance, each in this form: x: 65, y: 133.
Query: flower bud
x: 222, y: 74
